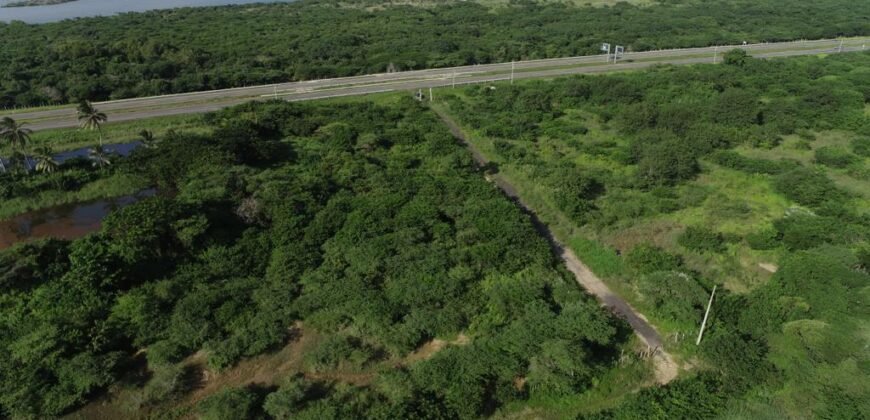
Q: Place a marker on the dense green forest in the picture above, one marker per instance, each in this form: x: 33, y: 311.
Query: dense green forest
x: 159, y: 52
x: 701, y: 176
x: 366, y: 223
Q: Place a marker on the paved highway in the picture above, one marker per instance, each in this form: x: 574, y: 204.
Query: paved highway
x: 199, y: 102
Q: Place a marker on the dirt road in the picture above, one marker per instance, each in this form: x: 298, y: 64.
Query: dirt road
x: 666, y: 368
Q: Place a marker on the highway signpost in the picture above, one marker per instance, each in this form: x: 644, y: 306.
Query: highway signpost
x: 606, y: 48
x: 618, y: 52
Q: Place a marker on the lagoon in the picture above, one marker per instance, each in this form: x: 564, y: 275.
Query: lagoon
x: 87, y: 8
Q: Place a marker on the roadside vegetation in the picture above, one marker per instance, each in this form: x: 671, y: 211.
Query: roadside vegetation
x: 32, y: 177
x: 751, y: 175
x: 141, y: 54
x: 362, y: 231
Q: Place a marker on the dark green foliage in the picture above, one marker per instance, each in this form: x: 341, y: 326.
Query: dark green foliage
x: 165, y: 51
x: 230, y: 403
x: 861, y: 146
x: 577, y: 192
x: 646, y: 259
x: 764, y: 239
x: 666, y: 163
x: 834, y: 157
x: 734, y: 160
x: 337, y: 350
x: 801, y: 231
x: 736, y: 57
x: 698, y: 238
x: 375, y: 229
x: 698, y: 397
x: 676, y: 296
x: 807, y: 187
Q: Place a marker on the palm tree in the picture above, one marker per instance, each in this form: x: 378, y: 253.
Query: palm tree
x: 99, y: 157
x: 91, y: 118
x: 148, y: 139
x: 45, y: 162
x: 15, y: 134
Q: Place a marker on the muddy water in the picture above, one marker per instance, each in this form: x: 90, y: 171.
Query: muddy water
x: 69, y: 221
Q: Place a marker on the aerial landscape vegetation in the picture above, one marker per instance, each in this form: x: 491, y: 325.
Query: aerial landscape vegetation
x: 397, y: 255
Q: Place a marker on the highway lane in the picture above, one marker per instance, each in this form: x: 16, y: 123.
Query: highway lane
x: 199, y: 102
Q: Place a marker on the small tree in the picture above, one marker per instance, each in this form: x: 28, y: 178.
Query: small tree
x: 90, y: 118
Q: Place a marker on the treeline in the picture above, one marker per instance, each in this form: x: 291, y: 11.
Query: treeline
x: 184, y: 50
x: 625, y: 150
x: 369, y: 223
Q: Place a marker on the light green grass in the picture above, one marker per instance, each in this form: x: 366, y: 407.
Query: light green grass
x: 73, y: 138
x: 113, y: 186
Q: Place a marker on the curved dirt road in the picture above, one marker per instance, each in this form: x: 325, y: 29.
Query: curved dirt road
x: 666, y: 369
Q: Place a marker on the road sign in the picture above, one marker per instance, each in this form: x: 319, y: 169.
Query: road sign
x: 617, y: 53
x: 605, y: 47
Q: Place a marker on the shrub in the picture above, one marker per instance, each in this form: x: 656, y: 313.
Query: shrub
x: 698, y: 238
x: 336, y: 350
x: 733, y: 160
x: 666, y: 163
x: 861, y: 146
x: 763, y: 240
x: 806, y: 187
x: 835, y: 157
x: 806, y: 231
x: 675, y: 296
x: 231, y: 403
x: 646, y: 259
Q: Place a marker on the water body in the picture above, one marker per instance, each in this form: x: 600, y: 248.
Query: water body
x: 119, y: 149
x: 69, y: 221
x: 86, y: 8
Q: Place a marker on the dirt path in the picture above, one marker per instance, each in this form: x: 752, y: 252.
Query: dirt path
x: 666, y: 368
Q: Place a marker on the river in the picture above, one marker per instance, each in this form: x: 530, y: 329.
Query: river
x: 86, y: 8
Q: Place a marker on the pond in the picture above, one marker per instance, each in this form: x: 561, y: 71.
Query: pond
x: 119, y: 149
x: 69, y: 221
x: 86, y: 8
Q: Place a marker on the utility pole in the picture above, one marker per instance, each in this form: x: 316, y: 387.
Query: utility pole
x: 512, y: 72
x: 715, y: 53
x: 606, y: 48
x: 706, y: 314
x: 840, y: 48
x: 430, y: 94
x: 454, y: 79
x: 276, y: 91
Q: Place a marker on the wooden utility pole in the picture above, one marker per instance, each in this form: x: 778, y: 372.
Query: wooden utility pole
x: 706, y: 314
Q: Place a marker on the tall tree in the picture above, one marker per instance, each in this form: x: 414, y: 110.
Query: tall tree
x: 15, y: 134
x: 90, y: 118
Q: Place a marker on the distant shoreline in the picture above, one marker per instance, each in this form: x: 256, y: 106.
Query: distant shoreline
x: 27, y: 3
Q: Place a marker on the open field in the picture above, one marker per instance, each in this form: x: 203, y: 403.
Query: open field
x: 727, y: 215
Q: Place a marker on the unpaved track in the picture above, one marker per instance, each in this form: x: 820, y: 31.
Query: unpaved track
x: 666, y: 368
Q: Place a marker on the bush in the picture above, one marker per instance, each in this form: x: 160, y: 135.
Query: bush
x: 835, y: 157
x: 231, y: 403
x: 336, y: 350
x: 701, y: 239
x: 806, y: 187
x: 675, y: 296
x: 733, y: 160
x: 645, y: 259
x: 861, y: 146
x: 666, y: 163
x: 763, y: 240
x: 803, y: 231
